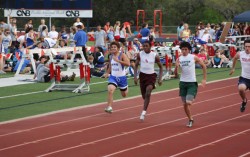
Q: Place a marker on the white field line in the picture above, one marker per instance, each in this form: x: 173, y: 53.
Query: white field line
x: 120, y: 121
x: 71, y: 120
x: 210, y: 143
x: 244, y: 155
x: 9, y: 96
x: 169, y: 137
x: 97, y: 104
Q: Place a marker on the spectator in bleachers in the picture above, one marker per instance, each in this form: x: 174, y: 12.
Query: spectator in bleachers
x: 216, y: 60
x: 41, y: 29
x: 53, y: 34
x: 63, y: 55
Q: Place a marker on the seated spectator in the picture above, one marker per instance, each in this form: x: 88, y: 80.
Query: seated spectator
x: 98, y: 62
x: 217, y: 60
x: 203, y: 56
x: 25, y: 67
x: 43, y: 72
x: 63, y: 55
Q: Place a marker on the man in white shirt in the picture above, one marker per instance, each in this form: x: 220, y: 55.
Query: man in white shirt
x: 244, y: 80
x: 53, y: 34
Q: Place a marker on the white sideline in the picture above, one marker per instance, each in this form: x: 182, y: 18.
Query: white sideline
x: 246, y: 154
x: 92, y: 105
x: 94, y: 127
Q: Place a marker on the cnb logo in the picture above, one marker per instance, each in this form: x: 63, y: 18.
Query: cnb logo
x: 71, y: 13
x: 23, y: 13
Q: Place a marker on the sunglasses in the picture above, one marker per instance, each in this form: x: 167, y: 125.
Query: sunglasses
x: 7, y: 32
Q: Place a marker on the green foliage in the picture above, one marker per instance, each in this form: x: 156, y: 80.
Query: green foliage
x: 206, y: 15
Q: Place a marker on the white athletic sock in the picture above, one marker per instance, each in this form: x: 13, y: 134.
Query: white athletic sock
x: 143, y: 112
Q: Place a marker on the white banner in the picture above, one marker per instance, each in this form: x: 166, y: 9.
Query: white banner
x: 48, y: 13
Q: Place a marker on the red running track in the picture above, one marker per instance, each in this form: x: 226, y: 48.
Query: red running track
x: 219, y: 129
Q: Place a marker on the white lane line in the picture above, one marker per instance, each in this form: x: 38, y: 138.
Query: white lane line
x: 169, y: 137
x: 10, y: 96
x: 244, y: 155
x: 208, y: 144
x: 78, y: 131
x: 76, y: 119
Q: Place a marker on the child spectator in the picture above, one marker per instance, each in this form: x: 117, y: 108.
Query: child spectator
x: 216, y: 60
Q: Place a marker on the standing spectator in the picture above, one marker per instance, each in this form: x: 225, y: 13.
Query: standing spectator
x: 78, y: 22
x: 71, y: 37
x: 13, y: 34
x: 117, y: 31
x: 185, y: 33
x: 117, y: 77
x: 212, y: 31
x: 53, y: 34
x: 106, y: 28
x: 44, y: 32
x: 188, y: 84
x: 1, y: 55
x: 147, y: 60
x: 110, y: 34
x: 4, y: 25
x: 81, y: 39
x: 127, y: 25
x: 145, y: 32
x: 100, y: 38
x: 6, y: 40
x: 41, y: 28
x: 29, y: 24
x: 123, y: 34
x: 206, y: 37
x: 179, y: 30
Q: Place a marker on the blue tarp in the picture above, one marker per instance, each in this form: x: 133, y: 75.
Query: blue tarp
x: 243, y: 17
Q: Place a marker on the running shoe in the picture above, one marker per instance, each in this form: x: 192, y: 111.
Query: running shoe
x: 142, y: 117
x: 108, y: 109
x: 243, y: 106
x: 190, y: 123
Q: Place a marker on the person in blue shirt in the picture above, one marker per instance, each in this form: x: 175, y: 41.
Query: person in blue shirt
x: 81, y: 39
x: 145, y: 32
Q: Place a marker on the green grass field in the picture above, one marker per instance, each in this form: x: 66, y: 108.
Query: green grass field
x: 41, y: 102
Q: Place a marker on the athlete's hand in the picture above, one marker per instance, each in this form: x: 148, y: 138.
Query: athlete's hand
x: 135, y: 80
x: 203, y: 83
x: 160, y: 82
x: 231, y: 71
x: 105, y: 75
